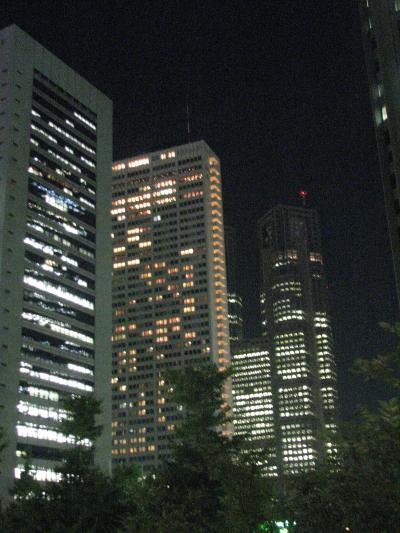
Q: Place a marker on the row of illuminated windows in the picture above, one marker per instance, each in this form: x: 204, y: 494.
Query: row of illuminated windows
x: 66, y: 365
x: 43, y: 159
x: 66, y: 134
x: 61, y: 254
x: 290, y: 338
x: 35, y: 140
x: 242, y: 399
x: 289, y: 371
x: 37, y: 299
x: 288, y: 286
x: 292, y: 315
x: 48, y: 171
x: 62, y: 202
x: 38, y: 473
x: 64, y: 345
x: 40, y: 282
x: 66, y: 224
x: 60, y: 130
x: 72, y: 121
x: 34, y: 431
x: 38, y: 392
x: 57, y: 269
x: 43, y: 120
x: 255, y: 410
x: 64, y: 99
x: 56, y: 326
x: 296, y: 412
x: 252, y: 354
x: 59, y: 238
x: 28, y: 370
x: 40, y: 411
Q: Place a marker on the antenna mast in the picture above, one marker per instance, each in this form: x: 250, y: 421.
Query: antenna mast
x: 188, y: 122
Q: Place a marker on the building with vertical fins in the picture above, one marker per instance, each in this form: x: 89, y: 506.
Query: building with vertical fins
x: 297, y: 328
x: 380, y: 21
x: 169, y: 289
x: 55, y: 253
x: 235, y: 305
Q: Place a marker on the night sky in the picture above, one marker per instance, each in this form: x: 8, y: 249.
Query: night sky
x: 278, y: 89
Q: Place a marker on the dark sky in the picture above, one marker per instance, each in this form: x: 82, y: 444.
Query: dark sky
x: 278, y: 89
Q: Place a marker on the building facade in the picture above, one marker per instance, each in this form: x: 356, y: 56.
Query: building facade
x: 380, y: 21
x: 253, y: 401
x: 55, y: 253
x: 297, y: 328
x: 169, y: 289
x: 235, y: 305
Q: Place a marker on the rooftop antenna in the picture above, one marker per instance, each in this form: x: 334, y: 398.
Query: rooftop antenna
x: 188, y: 122
x: 303, y: 195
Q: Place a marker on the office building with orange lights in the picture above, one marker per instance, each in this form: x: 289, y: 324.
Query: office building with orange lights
x: 169, y: 289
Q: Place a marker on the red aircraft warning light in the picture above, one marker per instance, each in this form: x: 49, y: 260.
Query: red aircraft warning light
x: 303, y: 195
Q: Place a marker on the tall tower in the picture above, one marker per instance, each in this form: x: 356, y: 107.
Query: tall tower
x: 234, y: 300
x: 169, y: 288
x: 253, y: 401
x: 55, y: 252
x: 297, y: 328
x: 380, y: 30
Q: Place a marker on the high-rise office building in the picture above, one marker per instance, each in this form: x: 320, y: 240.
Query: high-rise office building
x: 380, y: 30
x: 235, y: 305
x: 297, y: 328
x: 253, y: 402
x: 169, y: 288
x: 55, y: 252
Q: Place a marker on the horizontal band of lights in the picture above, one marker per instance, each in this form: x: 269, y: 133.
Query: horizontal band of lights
x: 131, y: 164
x: 85, y: 121
x: 26, y: 408
x: 28, y: 369
x: 37, y: 392
x: 38, y: 473
x: 33, y: 431
x: 53, y: 250
x: 57, y: 290
x: 56, y: 326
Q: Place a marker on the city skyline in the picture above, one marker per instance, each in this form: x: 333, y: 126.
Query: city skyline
x: 266, y: 156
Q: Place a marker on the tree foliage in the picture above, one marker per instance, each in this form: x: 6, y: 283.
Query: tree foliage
x: 84, y: 499
x: 209, y: 484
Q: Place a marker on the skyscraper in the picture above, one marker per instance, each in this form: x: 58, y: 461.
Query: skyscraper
x: 169, y: 288
x: 297, y: 329
x: 253, y: 401
x: 234, y: 300
x: 55, y: 254
x: 380, y: 30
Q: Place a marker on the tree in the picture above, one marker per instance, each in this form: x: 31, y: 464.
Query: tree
x: 202, y: 488
x: 84, y: 499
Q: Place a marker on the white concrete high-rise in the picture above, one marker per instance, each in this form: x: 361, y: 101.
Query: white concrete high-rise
x: 55, y: 252
x: 169, y: 288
